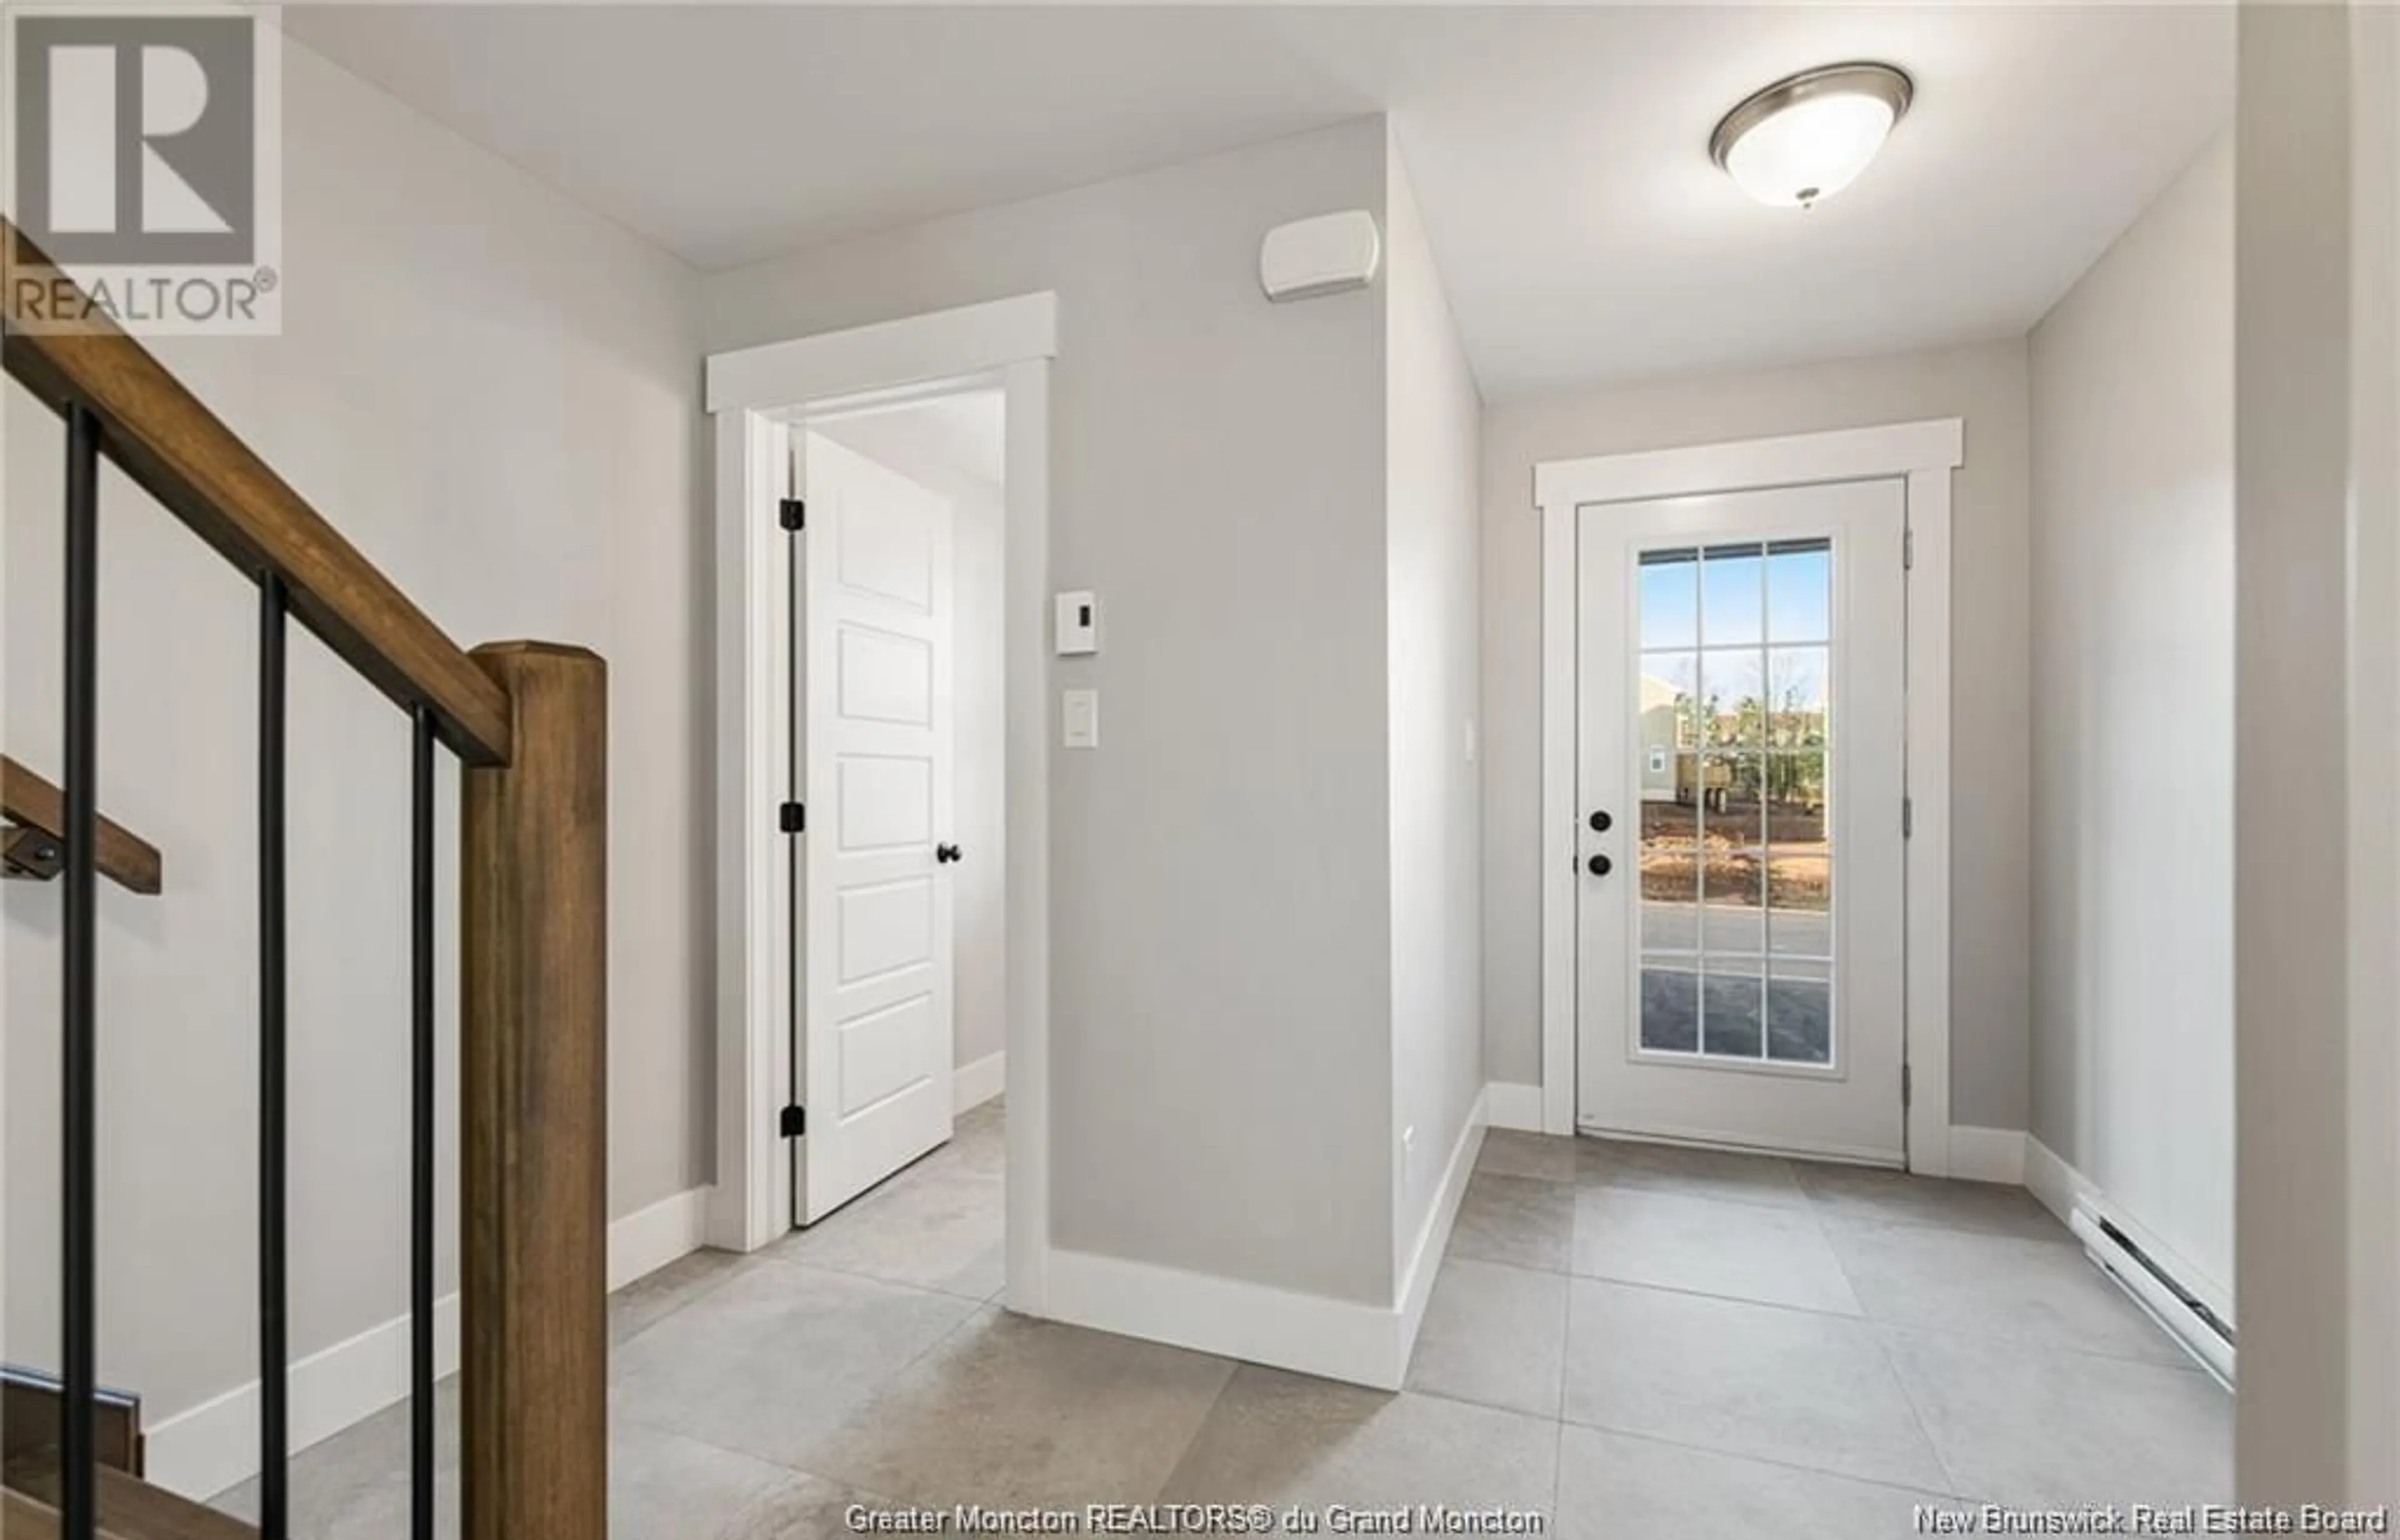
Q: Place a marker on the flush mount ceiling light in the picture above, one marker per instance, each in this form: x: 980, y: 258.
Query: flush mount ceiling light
x: 1809, y: 135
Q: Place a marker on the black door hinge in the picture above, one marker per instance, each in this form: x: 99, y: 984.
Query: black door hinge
x: 795, y: 818
x: 795, y: 1122
x: 793, y: 514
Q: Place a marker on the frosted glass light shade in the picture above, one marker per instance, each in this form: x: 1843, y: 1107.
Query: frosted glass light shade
x: 1809, y: 137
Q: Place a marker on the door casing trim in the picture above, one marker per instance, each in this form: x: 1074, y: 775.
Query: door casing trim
x: 750, y: 392
x: 1923, y: 454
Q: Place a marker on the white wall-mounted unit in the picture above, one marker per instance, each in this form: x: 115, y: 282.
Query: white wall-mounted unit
x: 1323, y: 255
x: 1078, y: 622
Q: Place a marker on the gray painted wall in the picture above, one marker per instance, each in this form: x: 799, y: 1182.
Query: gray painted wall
x: 2133, y: 748
x: 1434, y: 424
x: 1984, y: 384
x: 1222, y: 990
x: 494, y: 394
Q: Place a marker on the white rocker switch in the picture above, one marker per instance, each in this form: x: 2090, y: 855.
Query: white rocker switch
x: 1080, y: 719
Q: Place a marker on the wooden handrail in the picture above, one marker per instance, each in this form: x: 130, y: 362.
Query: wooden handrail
x: 30, y: 802
x: 529, y: 722
x: 186, y: 458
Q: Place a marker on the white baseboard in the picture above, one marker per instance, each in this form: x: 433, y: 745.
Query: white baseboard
x: 200, y: 1452
x: 973, y: 1084
x: 648, y: 1239
x: 1339, y: 1339
x: 1987, y: 1154
x: 1509, y: 1104
x: 206, y: 1449
x: 1349, y: 1339
x: 2051, y: 1180
x: 1433, y: 1241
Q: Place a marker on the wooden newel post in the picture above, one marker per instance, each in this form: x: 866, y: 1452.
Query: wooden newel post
x: 533, y: 1087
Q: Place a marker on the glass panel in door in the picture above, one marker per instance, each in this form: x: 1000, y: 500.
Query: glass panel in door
x: 1736, y: 740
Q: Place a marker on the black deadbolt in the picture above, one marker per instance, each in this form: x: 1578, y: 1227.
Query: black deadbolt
x: 1600, y: 865
x: 1602, y: 823
x: 945, y: 852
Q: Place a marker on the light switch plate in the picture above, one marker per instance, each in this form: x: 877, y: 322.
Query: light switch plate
x: 1079, y: 720
x: 1079, y: 623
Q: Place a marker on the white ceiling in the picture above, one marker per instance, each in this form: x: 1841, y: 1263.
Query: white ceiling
x: 1559, y: 153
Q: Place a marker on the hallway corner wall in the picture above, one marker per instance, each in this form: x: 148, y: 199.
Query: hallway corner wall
x: 2131, y: 830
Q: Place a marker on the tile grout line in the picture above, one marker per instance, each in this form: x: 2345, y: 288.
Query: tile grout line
x: 1832, y: 1222
x: 1915, y: 1413
x: 1867, y: 1315
x: 1949, y: 1480
x: 1886, y: 1323
x: 1892, y: 1365
x: 742, y: 1263
x: 1860, y: 1316
x: 867, y: 1399
x: 1557, y: 1467
x: 1828, y: 1223
x: 1746, y: 1458
x: 895, y: 1283
x: 1183, y: 1455
x: 1580, y: 1185
x: 1618, y: 1431
x: 2032, y: 1344
x: 1566, y: 1347
x: 1876, y: 1329
x: 1455, y: 1399
x: 1825, y: 1238
x: 741, y: 1521
x: 975, y: 1307
x: 751, y: 1262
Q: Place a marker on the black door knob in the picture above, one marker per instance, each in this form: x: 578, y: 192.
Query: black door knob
x: 1602, y: 823
x: 945, y: 852
x: 1600, y: 865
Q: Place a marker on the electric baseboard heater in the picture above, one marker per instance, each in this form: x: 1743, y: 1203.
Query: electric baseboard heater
x: 2204, y: 1333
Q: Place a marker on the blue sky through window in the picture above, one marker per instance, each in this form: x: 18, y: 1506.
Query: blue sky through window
x: 1738, y: 595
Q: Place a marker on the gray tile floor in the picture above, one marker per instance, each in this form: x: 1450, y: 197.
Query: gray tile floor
x: 1642, y: 1343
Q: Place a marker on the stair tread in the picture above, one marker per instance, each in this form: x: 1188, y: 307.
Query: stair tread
x: 130, y: 1508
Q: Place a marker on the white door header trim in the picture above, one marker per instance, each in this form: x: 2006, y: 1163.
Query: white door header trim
x: 940, y: 345
x: 1844, y: 455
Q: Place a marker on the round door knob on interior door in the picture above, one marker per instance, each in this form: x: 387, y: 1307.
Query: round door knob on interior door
x: 1602, y: 823
x: 945, y: 852
x: 1600, y: 865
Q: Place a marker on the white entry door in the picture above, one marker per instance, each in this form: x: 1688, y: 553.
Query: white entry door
x: 874, y: 623
x: 1740, y: 744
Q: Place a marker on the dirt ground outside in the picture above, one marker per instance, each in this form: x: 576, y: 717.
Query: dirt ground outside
x: 1682, y: 851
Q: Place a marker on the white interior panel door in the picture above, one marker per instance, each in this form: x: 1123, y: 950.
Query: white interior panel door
x: 874, y: 621
x: 1741, y: 743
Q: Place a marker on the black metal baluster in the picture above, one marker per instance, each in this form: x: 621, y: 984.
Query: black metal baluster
x: 79, y: 1251
x: 274, y: 1398
x: 420, y: 1131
